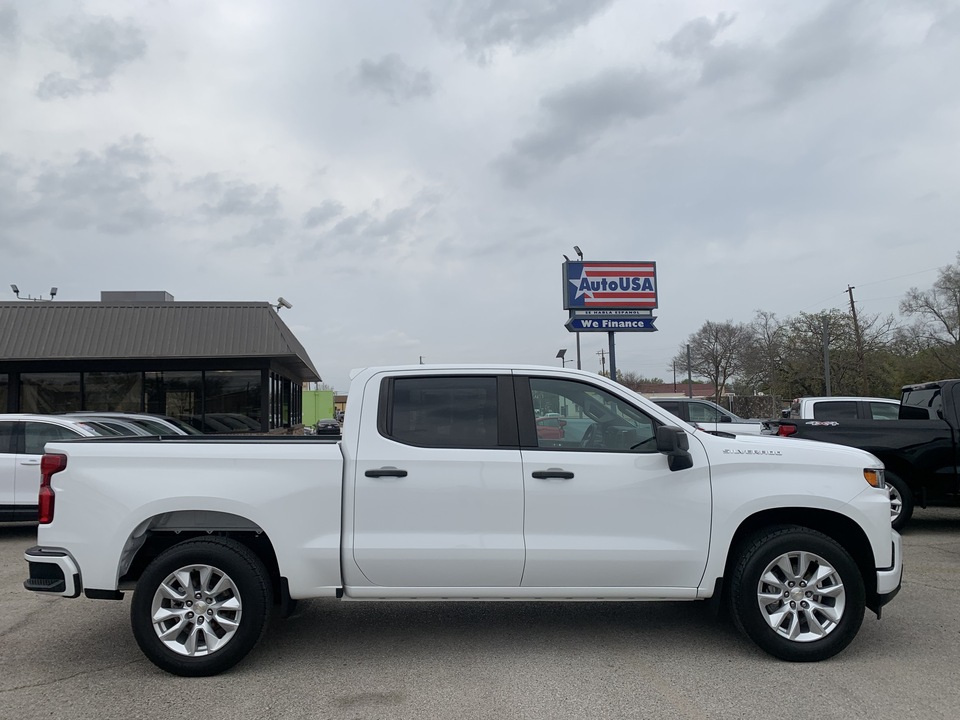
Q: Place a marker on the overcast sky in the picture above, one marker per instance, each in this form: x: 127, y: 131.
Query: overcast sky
x: 410, y: 174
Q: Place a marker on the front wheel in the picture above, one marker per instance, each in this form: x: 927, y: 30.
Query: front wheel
x: 797, y: 594
x: 201, y: 606
x: 901, y: 501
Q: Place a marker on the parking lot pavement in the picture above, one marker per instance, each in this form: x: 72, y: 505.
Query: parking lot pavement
x: 77, y: 658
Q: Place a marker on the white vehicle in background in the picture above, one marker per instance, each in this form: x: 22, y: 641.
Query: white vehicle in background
x: 843, y: 408
x: 709, y: 416
x: 149, y: 424
x: 22, y: 438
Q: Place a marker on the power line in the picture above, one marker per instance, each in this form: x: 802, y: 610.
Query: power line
x: 821, y: 303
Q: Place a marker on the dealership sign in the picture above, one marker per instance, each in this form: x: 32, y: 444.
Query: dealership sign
x: 610, y: 285
x: 610, y: 323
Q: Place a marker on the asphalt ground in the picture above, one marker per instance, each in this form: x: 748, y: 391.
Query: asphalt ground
x: 77, y: 659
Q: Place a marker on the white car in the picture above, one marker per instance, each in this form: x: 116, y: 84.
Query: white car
x: 22, y: 438
x: 709, y: 416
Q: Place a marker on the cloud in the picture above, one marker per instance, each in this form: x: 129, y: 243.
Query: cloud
x: 390, y: 233
x: 813, y: 51
x: 98, y: 47
x: 946, y: 29
x: 265, y: 231
x: 696, y: 37
x: 484, y: 25
x: 9, y: 26
x: 108, y: 191
x: 231, y: 198
x: 394, y: 79
x: 322, y: 214
x: 575, y: 117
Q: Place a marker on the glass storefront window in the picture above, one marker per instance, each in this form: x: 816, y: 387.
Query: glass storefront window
x: 177, y: 394
x: 112, y: 391
x: 232, y: 397
x: 4, y: 392
x: 49, y: 392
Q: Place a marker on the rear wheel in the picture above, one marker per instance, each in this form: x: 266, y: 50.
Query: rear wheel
x: 901, y: 500
x: 797, y: 594
x: 201, y: 606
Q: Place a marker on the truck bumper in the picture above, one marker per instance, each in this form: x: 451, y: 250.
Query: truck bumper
x: 52, y: 571
x: 889, y: 579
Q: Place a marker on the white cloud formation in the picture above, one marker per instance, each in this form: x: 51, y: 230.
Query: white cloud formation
x: 98, y: 47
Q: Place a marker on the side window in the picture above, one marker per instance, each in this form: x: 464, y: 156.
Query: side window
x: 593, y: 419
x: 6, y: 436
x: 442, y: 412
x: 835, y: 410
x: 884, y: 411
x: 671, y: 407
x: 701, y: 412
x: 38, y: 434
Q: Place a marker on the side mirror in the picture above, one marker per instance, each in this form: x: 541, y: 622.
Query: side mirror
x: 674, y: 443
x: 726, y: 418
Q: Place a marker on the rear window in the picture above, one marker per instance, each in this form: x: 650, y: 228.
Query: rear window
x: 835, y: 410
x: 927, y: 398
x: 884, y: 411
x: 38, y: 434
x: 444, y: 412
x: 670, y: 407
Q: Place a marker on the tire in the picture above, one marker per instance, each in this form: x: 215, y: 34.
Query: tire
x: 772, y: 604
x: 183, y: 630
x: 901, y: 500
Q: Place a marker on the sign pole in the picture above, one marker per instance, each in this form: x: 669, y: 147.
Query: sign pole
x: 578, y: 351
x: 613, y: 358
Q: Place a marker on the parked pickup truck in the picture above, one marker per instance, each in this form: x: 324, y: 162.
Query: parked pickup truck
x: 919, y: 449
x: 441, y: 488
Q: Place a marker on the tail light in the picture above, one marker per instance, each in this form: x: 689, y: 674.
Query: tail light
x: 786, y: 430
x: 49, y: 466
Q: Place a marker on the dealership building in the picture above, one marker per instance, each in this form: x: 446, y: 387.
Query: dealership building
x: 218, y: 365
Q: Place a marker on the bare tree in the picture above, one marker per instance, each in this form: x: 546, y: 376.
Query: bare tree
x: 936, y: 329
x: 718, y: 352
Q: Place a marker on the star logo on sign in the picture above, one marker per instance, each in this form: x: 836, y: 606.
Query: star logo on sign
x: 580, y: 283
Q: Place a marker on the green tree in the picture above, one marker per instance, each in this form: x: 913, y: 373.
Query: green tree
x: 635, y: 381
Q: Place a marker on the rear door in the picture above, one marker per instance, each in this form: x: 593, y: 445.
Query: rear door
x: 608, y: 512
x: 36, y: 434
x: 8, y: 467
x: 438, y: 485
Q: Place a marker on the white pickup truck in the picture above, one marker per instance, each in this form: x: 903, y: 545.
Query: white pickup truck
x: 444, y: 487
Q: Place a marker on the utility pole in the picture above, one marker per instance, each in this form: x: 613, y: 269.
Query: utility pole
x: 859, y: 340
x: 689, y: 375
x: 603, y: 360
x: 826, y: 355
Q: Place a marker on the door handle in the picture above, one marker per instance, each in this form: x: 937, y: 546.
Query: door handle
x: 29, y: 462
x: 558, y: 473
x: 386, y: 472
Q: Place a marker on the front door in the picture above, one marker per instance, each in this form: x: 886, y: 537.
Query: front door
x: 602, y: 509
